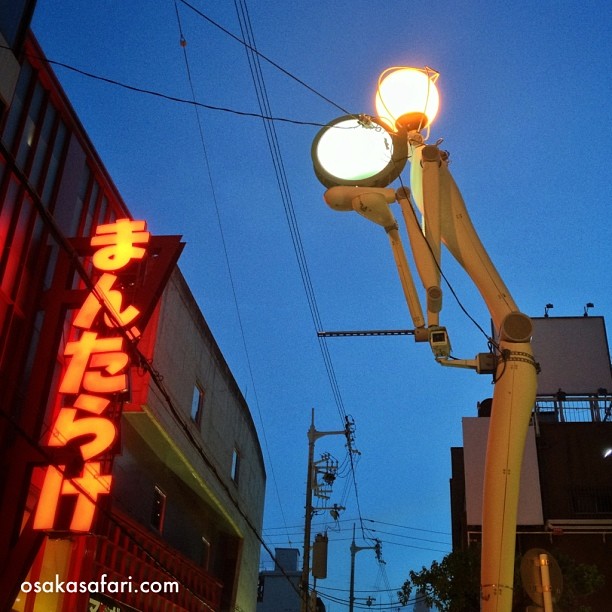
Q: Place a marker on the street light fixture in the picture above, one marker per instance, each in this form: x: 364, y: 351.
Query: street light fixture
x: 407, y: 98
x: 358, y: 150
x: 407, y: 101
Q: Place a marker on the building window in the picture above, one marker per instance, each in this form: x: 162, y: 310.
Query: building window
x: 32, y: 122
x: 11, y: 127
x: 197, y: 404
x: 45, y: 138
x: 89, y: 194
x: 159, y: 509
x: 235, y: 465
x: 260, y: 588
x: 205, y: 553
x: 57, y: 155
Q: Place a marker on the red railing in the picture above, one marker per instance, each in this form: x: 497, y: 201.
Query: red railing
x: 127, y: 553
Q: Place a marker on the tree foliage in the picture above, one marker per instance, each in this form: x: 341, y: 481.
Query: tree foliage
x: 579, y: 581
x: 453, y: 584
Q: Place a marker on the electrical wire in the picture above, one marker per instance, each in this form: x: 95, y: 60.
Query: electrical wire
x: 448, y: 283
x: 159, y: 94
x: 183, y: 44
x: 171, y: 98
x: 251, y: 48
x: 268, y: 120
x: 407, y: 527
x: 285, y: 192
x: 277, y: 158
x: 350, y: 520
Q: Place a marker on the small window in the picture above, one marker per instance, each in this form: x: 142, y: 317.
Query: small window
x: 205, y: 553
x: 235, y: 465
x: 159, y: 509
x: 260, y: 588
x: 197, y: 404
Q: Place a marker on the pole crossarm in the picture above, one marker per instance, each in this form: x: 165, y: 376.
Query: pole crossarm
x: 366, y: 332
x: 354, y: 550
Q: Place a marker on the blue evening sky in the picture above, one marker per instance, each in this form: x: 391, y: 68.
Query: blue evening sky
x: 526, y: 116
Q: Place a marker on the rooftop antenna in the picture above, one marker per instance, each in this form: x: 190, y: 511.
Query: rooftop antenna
x: 587, y: 306
x: 547, y: 308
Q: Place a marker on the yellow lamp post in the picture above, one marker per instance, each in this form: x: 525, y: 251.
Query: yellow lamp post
x: 407, y: 101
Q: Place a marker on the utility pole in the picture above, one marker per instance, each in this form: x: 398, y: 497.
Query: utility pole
x: 354, y: 550
x: 313, y: 436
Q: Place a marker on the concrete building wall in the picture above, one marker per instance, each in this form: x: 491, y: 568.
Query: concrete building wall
x: 279, y: 589
x: 231, y: 503
x: 576, y: 474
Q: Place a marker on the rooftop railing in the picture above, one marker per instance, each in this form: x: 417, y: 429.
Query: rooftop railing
x: 563, y: 408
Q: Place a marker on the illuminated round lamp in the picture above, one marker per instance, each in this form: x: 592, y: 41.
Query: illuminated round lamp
x: 358, y: 152
x: 407, y: 98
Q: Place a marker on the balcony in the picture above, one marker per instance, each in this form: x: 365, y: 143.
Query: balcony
x: 124, y: 550
x: 592, y: 502
x: 574, y: 409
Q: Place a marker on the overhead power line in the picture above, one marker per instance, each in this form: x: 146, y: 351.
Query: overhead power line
x: 369, y: 520
x: 253, y: 57
x: 250, y: 46
x: 183, y: 44
x: 164, y: 96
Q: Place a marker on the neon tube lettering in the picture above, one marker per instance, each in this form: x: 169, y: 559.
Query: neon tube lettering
x: 97, y: 367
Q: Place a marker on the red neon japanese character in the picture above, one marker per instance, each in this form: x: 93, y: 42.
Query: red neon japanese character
x: 67, y: 427
x: 89, y: 353
x: 113, y: 298
x: 118, y: 242
x: 88, y: 487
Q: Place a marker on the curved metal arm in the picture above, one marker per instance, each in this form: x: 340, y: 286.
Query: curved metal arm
x: 373, y: 204
x: 423, y: 253
x: 434, y: 189
x: 446, y: 220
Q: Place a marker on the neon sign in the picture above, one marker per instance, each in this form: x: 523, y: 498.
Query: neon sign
x: 96, y: 370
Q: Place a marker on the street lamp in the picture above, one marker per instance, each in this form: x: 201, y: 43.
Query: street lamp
x: 407, y: 98
x: 407, y: 101
x: 358, y: 151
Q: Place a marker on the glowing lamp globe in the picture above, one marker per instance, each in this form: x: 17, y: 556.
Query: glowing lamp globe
x: 359, y: 152
x: 407, y: 98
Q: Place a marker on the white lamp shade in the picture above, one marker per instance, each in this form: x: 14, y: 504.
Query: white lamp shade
x: 407, y: 98
x: 351, y: 151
